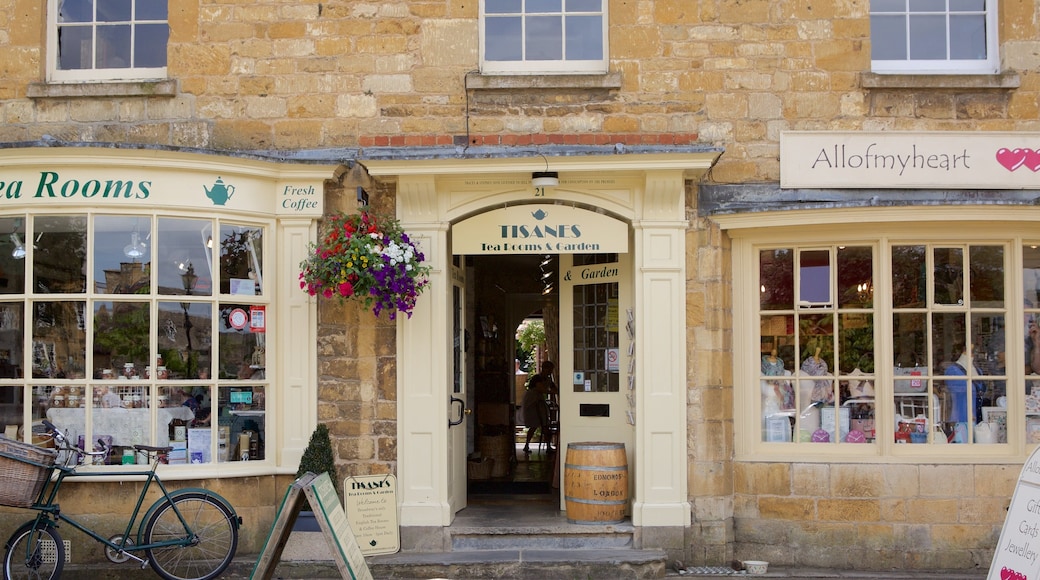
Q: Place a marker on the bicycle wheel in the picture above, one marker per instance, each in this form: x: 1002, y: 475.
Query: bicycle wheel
x: 36, y: 554
x: 209, y: 549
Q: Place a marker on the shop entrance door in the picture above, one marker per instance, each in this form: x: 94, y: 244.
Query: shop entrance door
x: 458, y: 411
x: 596, y: 401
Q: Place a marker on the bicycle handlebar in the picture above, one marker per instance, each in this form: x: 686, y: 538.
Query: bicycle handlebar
x: 102, y: 449
x: 62, y: 442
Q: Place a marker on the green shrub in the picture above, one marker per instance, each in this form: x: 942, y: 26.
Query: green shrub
x: 318, y: 458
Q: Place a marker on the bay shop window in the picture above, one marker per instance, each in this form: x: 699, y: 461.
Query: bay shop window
x: 135, y: 329
x: 887, y: 343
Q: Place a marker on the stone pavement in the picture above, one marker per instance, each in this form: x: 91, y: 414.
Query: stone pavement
x: 326, y: 570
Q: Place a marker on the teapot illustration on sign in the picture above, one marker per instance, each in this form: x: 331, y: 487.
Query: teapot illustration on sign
x: 220, y: 193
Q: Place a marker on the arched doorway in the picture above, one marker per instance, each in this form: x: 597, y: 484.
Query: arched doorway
x: 585, y: 302
x: 434, y: 198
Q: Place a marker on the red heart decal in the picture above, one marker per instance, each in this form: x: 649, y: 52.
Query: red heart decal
x: 1006, y: 574
x: 1011, y: 159
x: 1033, y: 159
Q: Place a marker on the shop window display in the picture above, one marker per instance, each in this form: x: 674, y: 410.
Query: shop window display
x: 149, y: 302
x: 948, y: 305
x: 821, y: 343
x: 948, y: 313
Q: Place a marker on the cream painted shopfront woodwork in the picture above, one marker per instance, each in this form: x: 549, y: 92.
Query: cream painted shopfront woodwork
x: 887, y: 332
x: 597, y: 351
x: 645, y: 193
x: 146, y: 298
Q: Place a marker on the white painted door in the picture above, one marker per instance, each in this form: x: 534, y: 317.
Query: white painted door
x: 596, y: 401
x: 458, y: 412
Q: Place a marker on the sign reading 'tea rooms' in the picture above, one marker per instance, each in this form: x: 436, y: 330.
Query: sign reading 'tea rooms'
x: 121, y: 180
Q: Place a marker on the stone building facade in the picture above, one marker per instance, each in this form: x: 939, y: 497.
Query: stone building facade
x: 693, y: 107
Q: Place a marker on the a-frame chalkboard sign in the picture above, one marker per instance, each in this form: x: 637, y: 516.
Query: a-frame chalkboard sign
x: 321, y: 494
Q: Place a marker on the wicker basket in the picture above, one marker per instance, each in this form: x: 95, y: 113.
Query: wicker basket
x: 499, y: 448
x: 21, y: 481
x: 480, y: 468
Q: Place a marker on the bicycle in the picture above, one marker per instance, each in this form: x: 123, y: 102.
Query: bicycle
x: 187, y: 534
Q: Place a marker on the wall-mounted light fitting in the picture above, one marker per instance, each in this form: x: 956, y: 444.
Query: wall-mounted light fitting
x: 545, y: 179
x: 18, y: 253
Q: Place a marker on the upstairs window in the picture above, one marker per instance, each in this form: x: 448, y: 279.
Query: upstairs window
x: 543, y: 36
x: 107, y: 40
x: 934, y: 36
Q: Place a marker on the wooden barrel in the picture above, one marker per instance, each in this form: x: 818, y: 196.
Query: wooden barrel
x: 596, y: 482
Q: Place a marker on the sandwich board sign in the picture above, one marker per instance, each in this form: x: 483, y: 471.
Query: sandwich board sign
x: 1017, y: 555
x: 321, y: 494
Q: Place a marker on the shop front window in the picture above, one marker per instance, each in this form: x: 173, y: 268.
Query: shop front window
x: 818, y: 381
x: 1031, y: 340
x: 117, y: 329
x: 948, y: 320
x: 817, y: 353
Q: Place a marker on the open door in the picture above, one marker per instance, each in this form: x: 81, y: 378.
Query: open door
x: 595, y: 397
x: 457, y: 410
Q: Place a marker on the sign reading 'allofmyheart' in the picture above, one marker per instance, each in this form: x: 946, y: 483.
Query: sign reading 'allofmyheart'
x: 540, y: 229
x: 881, y: 159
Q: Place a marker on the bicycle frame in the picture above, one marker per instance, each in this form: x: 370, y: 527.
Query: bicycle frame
x: 51, y: 511
x: 203, y: 552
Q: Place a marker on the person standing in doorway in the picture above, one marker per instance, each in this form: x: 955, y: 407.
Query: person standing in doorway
x: 541, y: 392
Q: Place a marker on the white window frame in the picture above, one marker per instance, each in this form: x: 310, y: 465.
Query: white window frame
x: 532, y: 67
x: 989, y: 65
x: 56, y: 75
x: 747, y: 355
x: 86, y: 300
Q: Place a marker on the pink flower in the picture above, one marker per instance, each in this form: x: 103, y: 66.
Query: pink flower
x: 327, y: 293
x: 345, y: 289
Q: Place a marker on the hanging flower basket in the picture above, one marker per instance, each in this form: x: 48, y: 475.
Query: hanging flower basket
x: 368, y: 258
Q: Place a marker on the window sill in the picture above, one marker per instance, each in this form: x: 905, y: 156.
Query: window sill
x: 478, y: 81
x: 998, y: 81
x: 163, y: 88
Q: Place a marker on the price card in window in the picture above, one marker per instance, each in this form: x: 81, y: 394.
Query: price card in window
x: 257, y: 319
